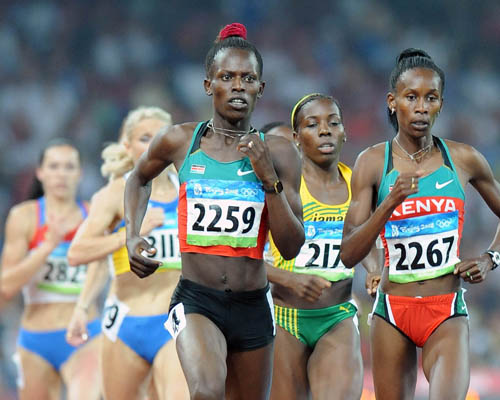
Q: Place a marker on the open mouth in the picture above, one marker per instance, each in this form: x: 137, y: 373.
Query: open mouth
x: 420, y: 125
x: 327, y: 148
x: 238, y: 103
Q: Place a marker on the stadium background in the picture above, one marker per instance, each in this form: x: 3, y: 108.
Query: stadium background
x: 74, y: 69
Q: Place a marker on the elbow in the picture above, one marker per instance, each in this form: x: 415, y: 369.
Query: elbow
x: 74, y: 258
x: 347, y: 258
x: 291, y: 250
x: 6, y: 293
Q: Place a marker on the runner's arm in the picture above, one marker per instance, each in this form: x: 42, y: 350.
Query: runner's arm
x: 481, y: 176
x: 285, y: 209
x: 18, y: 264
x: 167, y: 147
x: 92, y: 242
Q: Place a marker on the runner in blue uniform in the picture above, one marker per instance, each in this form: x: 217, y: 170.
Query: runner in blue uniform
x: 34, y: 259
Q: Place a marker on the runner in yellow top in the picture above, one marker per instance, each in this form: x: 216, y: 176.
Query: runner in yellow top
x: 317, y: 345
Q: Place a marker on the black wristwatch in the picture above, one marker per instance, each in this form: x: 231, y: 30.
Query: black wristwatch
x: 277, y: 188
x: 495, y: 258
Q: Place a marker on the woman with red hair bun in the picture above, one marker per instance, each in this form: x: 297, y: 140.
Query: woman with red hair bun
x: 235, y: 186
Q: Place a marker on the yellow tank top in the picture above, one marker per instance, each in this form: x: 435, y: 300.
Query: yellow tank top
x: 323, y: 226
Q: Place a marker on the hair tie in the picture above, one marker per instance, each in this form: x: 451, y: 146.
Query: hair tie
x: 297, y: 105
x: 234, y: 29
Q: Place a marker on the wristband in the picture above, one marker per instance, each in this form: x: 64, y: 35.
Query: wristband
x: 495, y: 258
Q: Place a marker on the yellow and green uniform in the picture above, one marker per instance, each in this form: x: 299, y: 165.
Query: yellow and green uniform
x: 320, y: 255
x: 323, y: 226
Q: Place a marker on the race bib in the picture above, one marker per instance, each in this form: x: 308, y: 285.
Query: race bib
x: 320, y: 254
x: 422, y: 247
x: 57, y: 276
x: 223, y: 212
x: 166, y: 242
x: 114, y: 313
x: 176, y: 321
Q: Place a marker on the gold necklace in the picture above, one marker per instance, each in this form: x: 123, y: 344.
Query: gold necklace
x: 222, y: 131
x: 419, y: 153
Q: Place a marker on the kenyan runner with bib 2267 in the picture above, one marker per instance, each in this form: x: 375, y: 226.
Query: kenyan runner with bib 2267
x: 422, y: 236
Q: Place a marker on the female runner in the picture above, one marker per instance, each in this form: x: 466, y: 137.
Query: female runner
x: 317, y: 348
x: 234, y: 186
x: 34, y: 259
x: 136, y: 342
x: 410, y: 190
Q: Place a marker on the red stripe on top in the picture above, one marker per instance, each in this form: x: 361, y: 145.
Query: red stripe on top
x: 421, y: 206
x: 41, y: 230
x: 418, y: 207
x: 219, y: 250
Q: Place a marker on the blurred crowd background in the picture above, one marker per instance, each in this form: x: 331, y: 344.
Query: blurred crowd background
x: 75, y: 68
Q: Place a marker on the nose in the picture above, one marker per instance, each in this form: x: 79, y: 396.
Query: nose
x: 237, y: 84
x: 421, y: 106
x: 324, y: 128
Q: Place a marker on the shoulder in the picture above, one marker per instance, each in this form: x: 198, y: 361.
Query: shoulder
x: 460, y: 151
x: 369, y: 166
x: 25, y: 210
x: 464, y: 155
x: 281, y: 148
x: 371, y: 156
x: 24, y: 216
x: 178, y: 131
x: 173, y: 140
x: 467, y: 158
x: 109, y: 193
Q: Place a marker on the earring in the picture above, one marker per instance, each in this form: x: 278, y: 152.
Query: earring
x: 345, y: 139
x: 393, y: 110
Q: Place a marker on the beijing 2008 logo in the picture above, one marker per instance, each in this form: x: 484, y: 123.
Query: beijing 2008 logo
x: 197, y: 189
x: 394, y: 231
x: 311, y: 231
x: 444, y: 223
x: 248, y: 192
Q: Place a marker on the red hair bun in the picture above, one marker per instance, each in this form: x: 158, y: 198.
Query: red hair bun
x: 234, y: 29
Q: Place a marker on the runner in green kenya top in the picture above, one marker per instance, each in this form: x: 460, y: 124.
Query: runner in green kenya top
x: 410, y: 191
x: 234, y: 186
